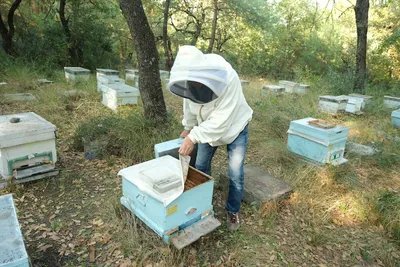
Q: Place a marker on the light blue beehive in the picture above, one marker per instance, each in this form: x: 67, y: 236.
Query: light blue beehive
x: 180, y: 221
x: 12, y: 248
x: 316, y: 143
x: 396, y: 118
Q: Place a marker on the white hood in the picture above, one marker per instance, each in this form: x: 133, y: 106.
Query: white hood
x: 192, y: 65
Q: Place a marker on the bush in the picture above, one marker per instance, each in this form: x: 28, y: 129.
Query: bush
x: 130, y: 136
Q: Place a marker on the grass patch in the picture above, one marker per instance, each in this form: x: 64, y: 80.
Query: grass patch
x: 388, y: 207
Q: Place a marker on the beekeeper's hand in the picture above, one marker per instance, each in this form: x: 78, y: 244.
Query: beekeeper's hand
x: 186, y: 147
x: 184, y: 133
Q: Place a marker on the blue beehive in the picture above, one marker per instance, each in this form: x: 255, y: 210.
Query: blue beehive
x: 12, y: 248
x: 317, y: 140
x: 396, y: 118
x: 154, y: 192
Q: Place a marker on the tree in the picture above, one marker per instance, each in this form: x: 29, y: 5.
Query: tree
x: 214, y: 26
x: 148, y: 59
x: 361, y: 11
x: 8, y: 34
x: 169, y: 58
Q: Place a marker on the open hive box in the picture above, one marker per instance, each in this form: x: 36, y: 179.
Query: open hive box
x: 180, y: 213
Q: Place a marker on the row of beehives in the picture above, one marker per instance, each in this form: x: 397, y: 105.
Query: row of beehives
x: 114, y: 89
x: 285, y: 87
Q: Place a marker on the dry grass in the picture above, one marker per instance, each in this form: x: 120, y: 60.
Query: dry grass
x: 330, y: 219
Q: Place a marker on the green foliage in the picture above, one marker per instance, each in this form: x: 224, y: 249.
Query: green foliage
x: 388, y: 207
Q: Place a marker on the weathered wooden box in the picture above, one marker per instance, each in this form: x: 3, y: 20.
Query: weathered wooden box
x: 76, y: 74
x: 119, y: 94
x: 396, y: 118
x: 391, y: 102
x: 354, y: 105
x: 12, y: 248
x: 333, y: 104
x: 317, y: 140
x: 147, y: 189
x: 272, y: 89
x: 27, y: 147
x: 365, y: 99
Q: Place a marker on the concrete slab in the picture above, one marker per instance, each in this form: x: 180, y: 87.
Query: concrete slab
x: 44, y: 81
x: 262, y: 187
x: 360, y: 149
x: 19, y: 97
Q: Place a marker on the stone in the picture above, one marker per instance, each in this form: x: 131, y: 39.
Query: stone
x: 3, y: 83
x: 262, y: 187
x: 19, y: 97
x: 360, y: 149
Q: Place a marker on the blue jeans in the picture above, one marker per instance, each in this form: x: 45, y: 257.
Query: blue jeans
x: 236, y: 154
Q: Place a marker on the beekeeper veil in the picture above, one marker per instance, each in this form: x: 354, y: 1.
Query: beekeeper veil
x: 198, y: 77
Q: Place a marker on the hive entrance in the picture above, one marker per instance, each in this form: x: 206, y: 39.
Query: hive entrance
x: 195, y: 178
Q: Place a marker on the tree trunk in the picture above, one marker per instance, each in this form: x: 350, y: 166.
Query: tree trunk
x: 214, y: 27
x: 361, y: 11
x: 147, y: 55
x: 169, y: 58
x: 8, y: 34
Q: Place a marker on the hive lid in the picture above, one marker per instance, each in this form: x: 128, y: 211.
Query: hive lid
x: 396, y: 114
x: 328, y: 134
x: 29, y: 124
x: 121, y: 89
x: 335, y: 99
x: 76, y: 70
x: 393, y: 98
x: 107, y: 71
x: 365, y: 97
x: 12, y: 248
x: 273, y: 87
x: 132, y: 71
x: 161, y: 178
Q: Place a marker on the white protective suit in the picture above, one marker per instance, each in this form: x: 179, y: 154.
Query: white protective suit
x: 219, y: 120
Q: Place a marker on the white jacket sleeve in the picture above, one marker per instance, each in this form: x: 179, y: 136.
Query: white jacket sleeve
x: 214, y: 128
x: 189, y: 119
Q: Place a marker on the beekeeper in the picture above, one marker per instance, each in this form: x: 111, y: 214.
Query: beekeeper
x: 215, y: 113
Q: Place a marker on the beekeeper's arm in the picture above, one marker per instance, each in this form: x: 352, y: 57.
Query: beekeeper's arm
x: 219, y: 121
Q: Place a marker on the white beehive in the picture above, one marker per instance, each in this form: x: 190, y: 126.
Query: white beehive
x: 27, y: 147
x: 391, y: 102
x: 293, y: 87
x: 365, y: 99
x: 354, y: 105
x: 132, y: 75
x: 76, y: 74
x: 272, y: 89
x: 333, y: 104
x: 164, y: 74
x: 107, y: 76
x: 119, y: 94
x: 12, y: 248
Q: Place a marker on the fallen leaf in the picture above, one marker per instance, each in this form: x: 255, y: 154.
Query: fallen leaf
x: 44, y: 248
x: 92, y: 251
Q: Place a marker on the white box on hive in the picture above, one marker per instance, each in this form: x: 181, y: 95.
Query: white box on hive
x: 76, y: 74
x: 293, y: 87
x: 12, y: 248
x: 333, y: 104
x: 132, y: 75
x: 391, y: 102
x: 119, y: 94
x: 27, y: 146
